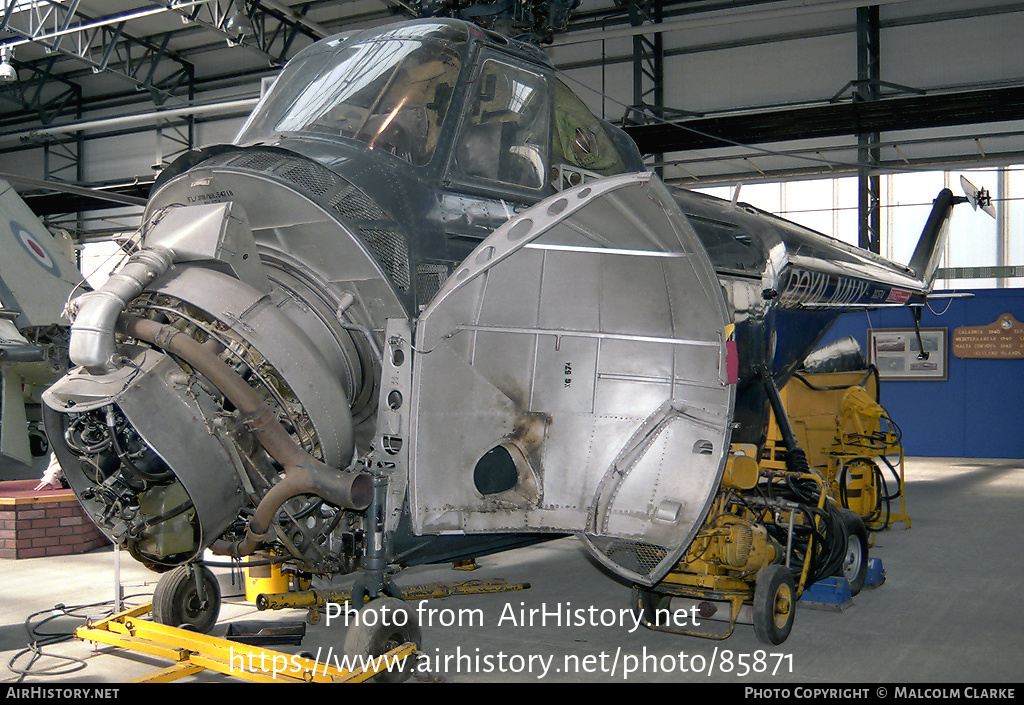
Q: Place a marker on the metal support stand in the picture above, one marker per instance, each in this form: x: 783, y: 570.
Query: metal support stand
x: 915, y: 312
x: 119, y: 586
x: 118, y: 594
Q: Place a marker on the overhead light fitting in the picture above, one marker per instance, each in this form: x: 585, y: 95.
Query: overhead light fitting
x: 238, y: 25
x: 8, y: 74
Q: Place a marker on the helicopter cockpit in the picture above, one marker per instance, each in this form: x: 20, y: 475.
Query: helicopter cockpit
x: 490, y: 110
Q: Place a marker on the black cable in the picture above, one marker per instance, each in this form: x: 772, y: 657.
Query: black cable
x: 896, y: 475
x: 883, y: 498
x: 35, y: 649
x: 837, y: 388
x: 126, y: 459
x: 823, y: 557
x: 37, y: 641
x: 835, y: 538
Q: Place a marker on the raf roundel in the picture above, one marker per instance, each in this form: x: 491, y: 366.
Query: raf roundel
x: 34, y: 248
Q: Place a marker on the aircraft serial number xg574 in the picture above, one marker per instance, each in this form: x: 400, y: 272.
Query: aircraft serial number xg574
x: 427, y: 307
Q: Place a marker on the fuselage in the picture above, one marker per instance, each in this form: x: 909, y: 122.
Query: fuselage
x: 377, y: 164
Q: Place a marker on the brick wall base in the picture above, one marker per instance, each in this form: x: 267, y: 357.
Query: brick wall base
x: 43, y: 523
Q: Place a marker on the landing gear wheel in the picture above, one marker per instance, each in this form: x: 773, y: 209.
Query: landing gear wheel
x: 384, y: 624
x: 178, y: 602
x: 855, y: 558
x: 774, y: 604
x: 38, y: 444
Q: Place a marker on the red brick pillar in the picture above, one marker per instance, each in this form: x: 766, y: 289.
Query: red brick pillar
x: 43, y: 523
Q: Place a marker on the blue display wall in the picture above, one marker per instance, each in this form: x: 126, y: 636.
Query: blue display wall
x: 978, y: 411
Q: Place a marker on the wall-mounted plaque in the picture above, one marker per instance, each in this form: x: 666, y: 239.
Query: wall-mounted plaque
x: 898, y: 355
x: 1002, y: 339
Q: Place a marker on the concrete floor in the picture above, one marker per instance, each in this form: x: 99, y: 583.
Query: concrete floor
x: 949, y: 610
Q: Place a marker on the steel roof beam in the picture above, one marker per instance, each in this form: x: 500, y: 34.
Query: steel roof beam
x: 268, y: 29
x: 100, y: 43
x: 832, y: 120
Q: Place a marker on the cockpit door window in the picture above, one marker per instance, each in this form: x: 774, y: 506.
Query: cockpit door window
x: 504, y: 136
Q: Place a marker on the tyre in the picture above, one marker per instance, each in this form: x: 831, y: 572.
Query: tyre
x: 177, y: 602
x: 384, y: 624
x: 774, y: 604
x: 38, y: 444
x: 855, y: 557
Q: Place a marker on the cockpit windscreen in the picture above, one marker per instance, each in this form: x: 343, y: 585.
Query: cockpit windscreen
x: 391, y: 92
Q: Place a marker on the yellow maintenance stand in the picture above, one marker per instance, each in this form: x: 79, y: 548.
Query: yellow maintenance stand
x: 191, y: 652
x: 850, y: 441
x: 795, y: 513
x: 750, y: 561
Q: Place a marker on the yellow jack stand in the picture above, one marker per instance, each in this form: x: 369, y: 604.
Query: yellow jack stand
x: 192, y: 652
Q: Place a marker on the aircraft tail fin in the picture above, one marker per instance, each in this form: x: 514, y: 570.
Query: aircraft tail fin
x: 36, y: 275
x: 925, y: 260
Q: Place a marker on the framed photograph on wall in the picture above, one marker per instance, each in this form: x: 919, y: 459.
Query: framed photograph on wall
x: 897, y: 355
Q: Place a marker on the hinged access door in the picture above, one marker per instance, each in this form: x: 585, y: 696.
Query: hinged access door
x: 572, y: 376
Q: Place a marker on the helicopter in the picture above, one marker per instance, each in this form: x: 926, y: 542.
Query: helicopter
x: 428, y: 307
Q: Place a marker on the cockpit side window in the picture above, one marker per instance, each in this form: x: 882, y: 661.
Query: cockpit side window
x: 580, y: 139
x: 504, y: 136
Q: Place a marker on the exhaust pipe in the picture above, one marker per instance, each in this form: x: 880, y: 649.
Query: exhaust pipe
x: 303, y: 474
x: 92, y: 342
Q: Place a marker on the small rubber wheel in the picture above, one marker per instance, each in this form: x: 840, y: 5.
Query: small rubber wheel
x: 38, y: 444
x: 384, y: 624
x: 774, y: 604
x: 855, y: 557
x: 177, y: 603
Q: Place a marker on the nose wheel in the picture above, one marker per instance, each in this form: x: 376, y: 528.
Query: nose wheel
x: 187, y: 597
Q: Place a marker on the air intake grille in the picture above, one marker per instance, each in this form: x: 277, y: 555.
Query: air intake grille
x: 389, y: 249
x: 430, y: 277
x: 634, y: 556
x: 353, y: 203
x: 314, y: 180
x: 257, y: 161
